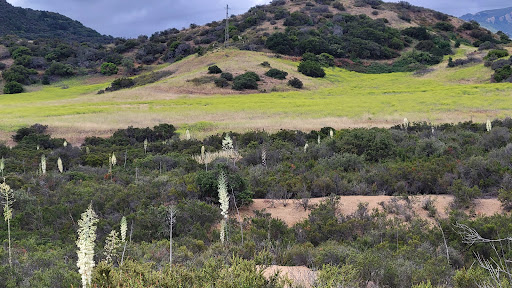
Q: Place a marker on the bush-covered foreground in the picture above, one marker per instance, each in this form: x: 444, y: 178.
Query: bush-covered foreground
x: 140, y: 173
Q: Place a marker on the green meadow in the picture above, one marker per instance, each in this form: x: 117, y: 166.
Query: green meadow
x: 342, y: 99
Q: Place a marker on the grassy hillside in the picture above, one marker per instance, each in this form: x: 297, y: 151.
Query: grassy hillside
x: 342, y: 99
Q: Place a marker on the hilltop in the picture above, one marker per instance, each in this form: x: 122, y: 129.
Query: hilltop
x: 494, y: 20
x: 33, y: 24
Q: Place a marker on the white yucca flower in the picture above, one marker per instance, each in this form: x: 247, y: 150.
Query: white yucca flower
x: 406, y: 123
x: 85, y: 244
x: 488, y: 125
x: 145, y: 145
x: 306, y: 147
x: 37, y: 147
x: 224, y: 202
x: 124, y: 228
x: 7, y: 196
x: 318, y: 140
x: 113, y: 159
x: 87, y: 150
x: 2, y: 166
x: 59, y: 165
x: 331, y: 133
x: 112, y: 243
x: 187, y: 134
x: 227, y: 143
x: 65, y: 144
x: 43, y: 164
x: 203, y: 151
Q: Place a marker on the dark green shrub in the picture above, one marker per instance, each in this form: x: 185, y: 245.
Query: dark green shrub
x: 2, y: 66
x: 248, y: 80
x: 13, y: 88
x: 265, y: 64
x: 108, y: 69
x: 312, y: 69
x: 276, y: 74
x: 221, y: 82
x: 121, y: 83
x: 295, y: 83
x: 339, y: 6
x: 17, y: 73
x: 60, y: 69
x: 503, y: 73
x: 226, y: 75
x: 444, y: 26
x: 496, y: 54
x: 214, y: 70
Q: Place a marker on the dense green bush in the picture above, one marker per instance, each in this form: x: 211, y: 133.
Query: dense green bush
x: 108, y: 69
x: 277, y: 74
x: 13, y: 88
x: 295, y: 83
x: 17, y: 73
x: 312, y: 69
x: 496, y: 54
x: 214, y: 70
x: 502, y: 74
x: 121, y: 83
x: 221, y: 82
x: 226, y: 75
x: 248, y: 80
x: 59, y: 69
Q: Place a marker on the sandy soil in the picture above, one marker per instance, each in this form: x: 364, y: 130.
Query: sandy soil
x: 292, y: 213
x: 299, y: 275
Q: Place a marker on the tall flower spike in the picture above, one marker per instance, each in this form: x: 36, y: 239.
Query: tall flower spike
x: 85, y: 244
x: 224, y: 203
x: 43, y: 164
x: 59, y: 165
x: 488, y: 125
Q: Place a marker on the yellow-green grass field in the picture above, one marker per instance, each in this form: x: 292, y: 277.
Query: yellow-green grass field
x: 342, y: 99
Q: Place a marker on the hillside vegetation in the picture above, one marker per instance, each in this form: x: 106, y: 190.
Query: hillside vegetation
x: 342, y: 99
x: 32, y: 24
x: 156, y: 169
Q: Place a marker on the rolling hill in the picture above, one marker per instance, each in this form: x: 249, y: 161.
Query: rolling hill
x: 32, y: 24
x: 494, y: 20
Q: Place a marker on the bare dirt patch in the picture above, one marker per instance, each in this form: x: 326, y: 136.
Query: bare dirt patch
x: 292, y: 214
x: 300, y: 276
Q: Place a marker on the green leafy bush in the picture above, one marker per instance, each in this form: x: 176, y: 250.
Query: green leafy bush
x: 121, y: 83
x: 276, y: 74
x: 13, y: 88
x: 503, y: 73
x: 214, y: 70
x: 295, y: 83
x: 496, y: 54
x: 226, y: 75
x: 248, y: 80
x: 312, y: 69
x: 221, y: 82
x: 108, y: 69
x: 60, y: 69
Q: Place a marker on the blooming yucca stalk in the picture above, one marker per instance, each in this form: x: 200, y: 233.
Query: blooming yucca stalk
x: 59, y: 165
x: 112, y: 243
x: 65, y: 144
x: 318, y: 140
x: 43, y: 164
x: 306, y: 147
x: 124, y: 229
x: 331, y: 133
x: 187, y: 135
x: 145, y: 145
x: 2, y: 166
x: 7, y: 200
x: 171, y: 219
x: 85, y: 244
x: 488, y: 125
x: 406, y: 124
x: 224, y: 204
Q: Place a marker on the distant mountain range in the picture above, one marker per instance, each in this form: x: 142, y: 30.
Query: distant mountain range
x: 32, y: 24
x: 494, y: 20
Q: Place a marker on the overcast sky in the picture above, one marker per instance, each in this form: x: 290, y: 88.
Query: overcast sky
x: 130, y: 18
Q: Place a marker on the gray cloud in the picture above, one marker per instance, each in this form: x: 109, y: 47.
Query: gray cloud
x: 130, y: 18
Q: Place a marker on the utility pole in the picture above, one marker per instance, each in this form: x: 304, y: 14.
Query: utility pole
x: 227, y: 27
